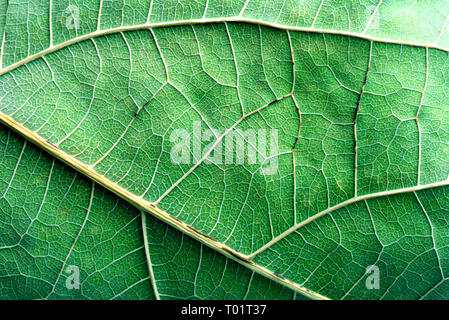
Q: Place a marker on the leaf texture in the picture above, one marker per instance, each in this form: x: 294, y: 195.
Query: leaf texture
x: 356, y: 90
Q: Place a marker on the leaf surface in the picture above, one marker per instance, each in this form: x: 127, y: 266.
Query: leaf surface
x: 358, y: 101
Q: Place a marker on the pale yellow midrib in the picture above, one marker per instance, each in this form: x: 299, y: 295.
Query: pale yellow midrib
x: 361, y: 35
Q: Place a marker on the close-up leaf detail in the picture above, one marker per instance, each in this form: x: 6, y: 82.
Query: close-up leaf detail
x: 94, y: 93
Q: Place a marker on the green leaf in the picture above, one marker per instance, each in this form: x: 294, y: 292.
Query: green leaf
x: 355, y: 93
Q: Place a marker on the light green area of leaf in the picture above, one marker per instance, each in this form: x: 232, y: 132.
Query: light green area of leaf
x: 361, y: 123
